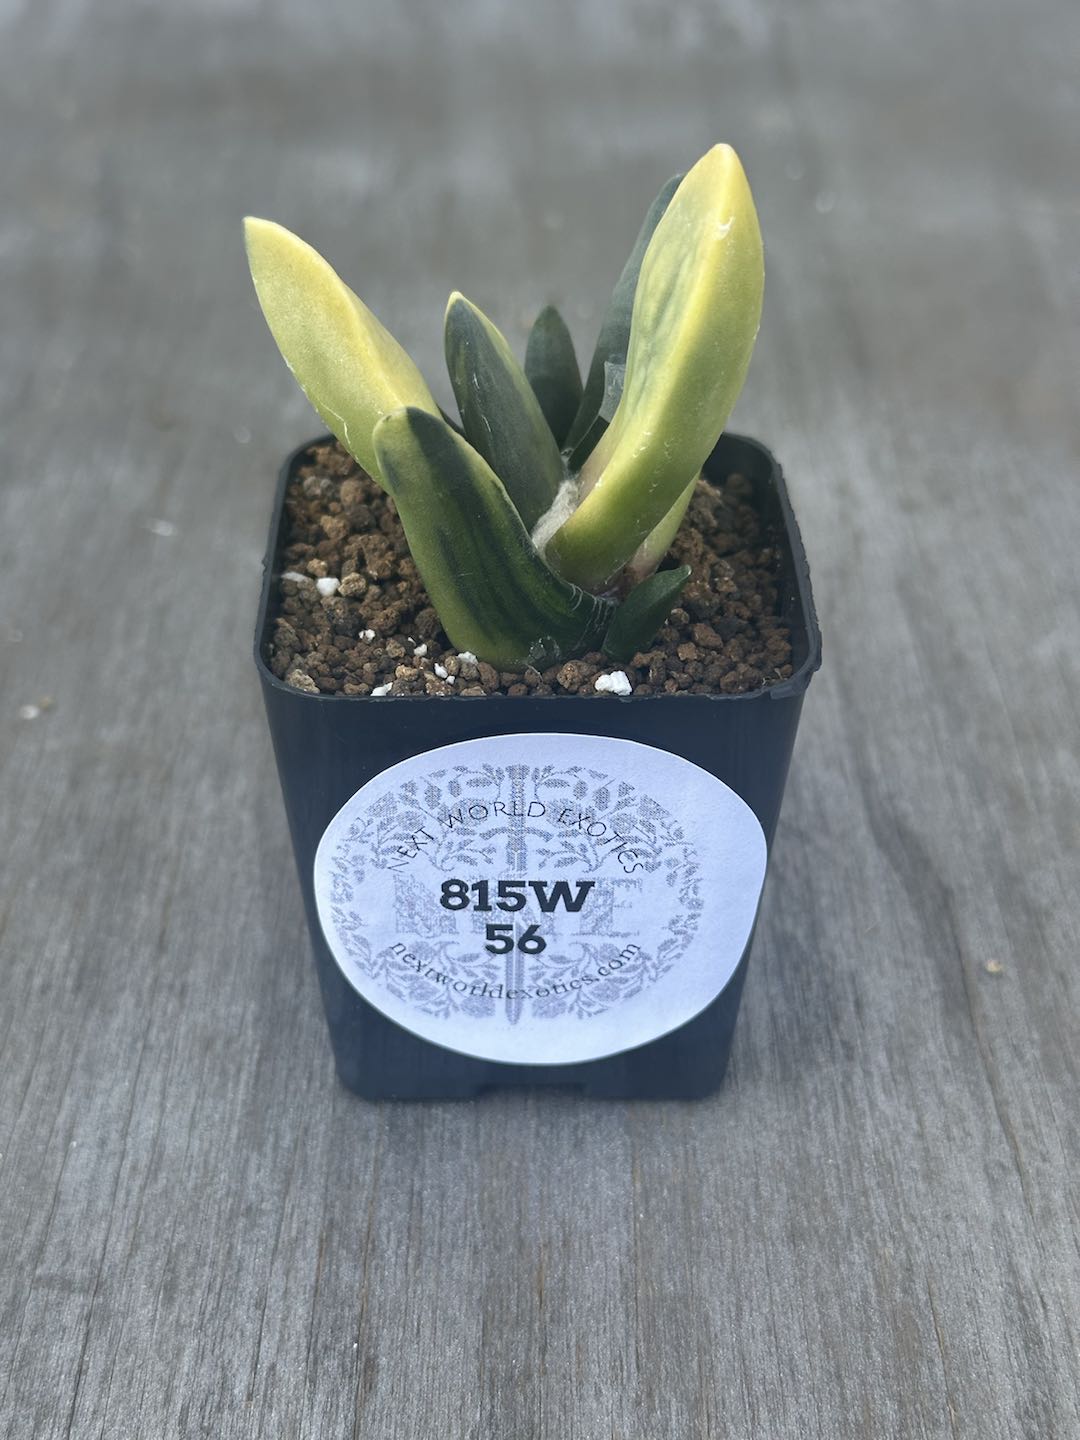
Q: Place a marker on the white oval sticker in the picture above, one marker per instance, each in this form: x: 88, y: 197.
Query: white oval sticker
x: 540, y: 899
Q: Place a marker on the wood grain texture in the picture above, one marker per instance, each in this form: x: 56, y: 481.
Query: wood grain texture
x: 873, y: 1230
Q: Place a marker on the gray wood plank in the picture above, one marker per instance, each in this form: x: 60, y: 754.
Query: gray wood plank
x: 873, y: 1230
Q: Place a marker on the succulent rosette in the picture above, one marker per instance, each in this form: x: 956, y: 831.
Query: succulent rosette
x: 540, y: 524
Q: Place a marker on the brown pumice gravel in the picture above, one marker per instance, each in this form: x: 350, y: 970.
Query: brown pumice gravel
x: 353, y: 617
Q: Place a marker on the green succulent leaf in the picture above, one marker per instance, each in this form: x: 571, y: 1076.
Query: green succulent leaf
x: 695, y: 318
x: 615, y: 330
x: 492, y: 589
x: 500, y: 413
x: 552, y: 370
x: 641, y: 614
x: 351, y: 369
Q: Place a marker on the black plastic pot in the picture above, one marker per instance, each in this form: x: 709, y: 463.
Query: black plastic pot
x: 328, y: 747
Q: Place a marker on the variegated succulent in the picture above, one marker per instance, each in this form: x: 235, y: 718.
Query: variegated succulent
x: 539, y: 524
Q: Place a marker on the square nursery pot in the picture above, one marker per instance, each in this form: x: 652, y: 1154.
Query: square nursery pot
x: 545, y: 889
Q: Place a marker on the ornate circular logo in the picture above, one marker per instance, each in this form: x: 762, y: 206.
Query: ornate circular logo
x: 540, y: 899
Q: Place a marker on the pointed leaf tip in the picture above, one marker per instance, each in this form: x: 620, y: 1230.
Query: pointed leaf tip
x: 552, y: 370
x: 500, y: 413
x: 348, y: 365
x: 642, y: 613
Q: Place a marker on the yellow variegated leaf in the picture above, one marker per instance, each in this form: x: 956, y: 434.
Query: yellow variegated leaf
x: 656, y: 544
x: 348, y: 365
x: 697, y: 307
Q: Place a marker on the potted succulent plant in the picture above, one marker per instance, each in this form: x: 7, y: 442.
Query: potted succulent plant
x: 532, y: 729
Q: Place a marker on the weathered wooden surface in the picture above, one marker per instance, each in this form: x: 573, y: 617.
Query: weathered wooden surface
x: 873, y: 1230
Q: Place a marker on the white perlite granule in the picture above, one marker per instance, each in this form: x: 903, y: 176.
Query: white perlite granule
x: 466, y: 657
x: 327, y: 586
x: 421, y: 651
x: 616, y: 683
x: 368, y: 635
x: 381, y: 690
x: 295, y: 575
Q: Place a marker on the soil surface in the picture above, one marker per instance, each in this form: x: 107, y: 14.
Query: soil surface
x: 353, y: 617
